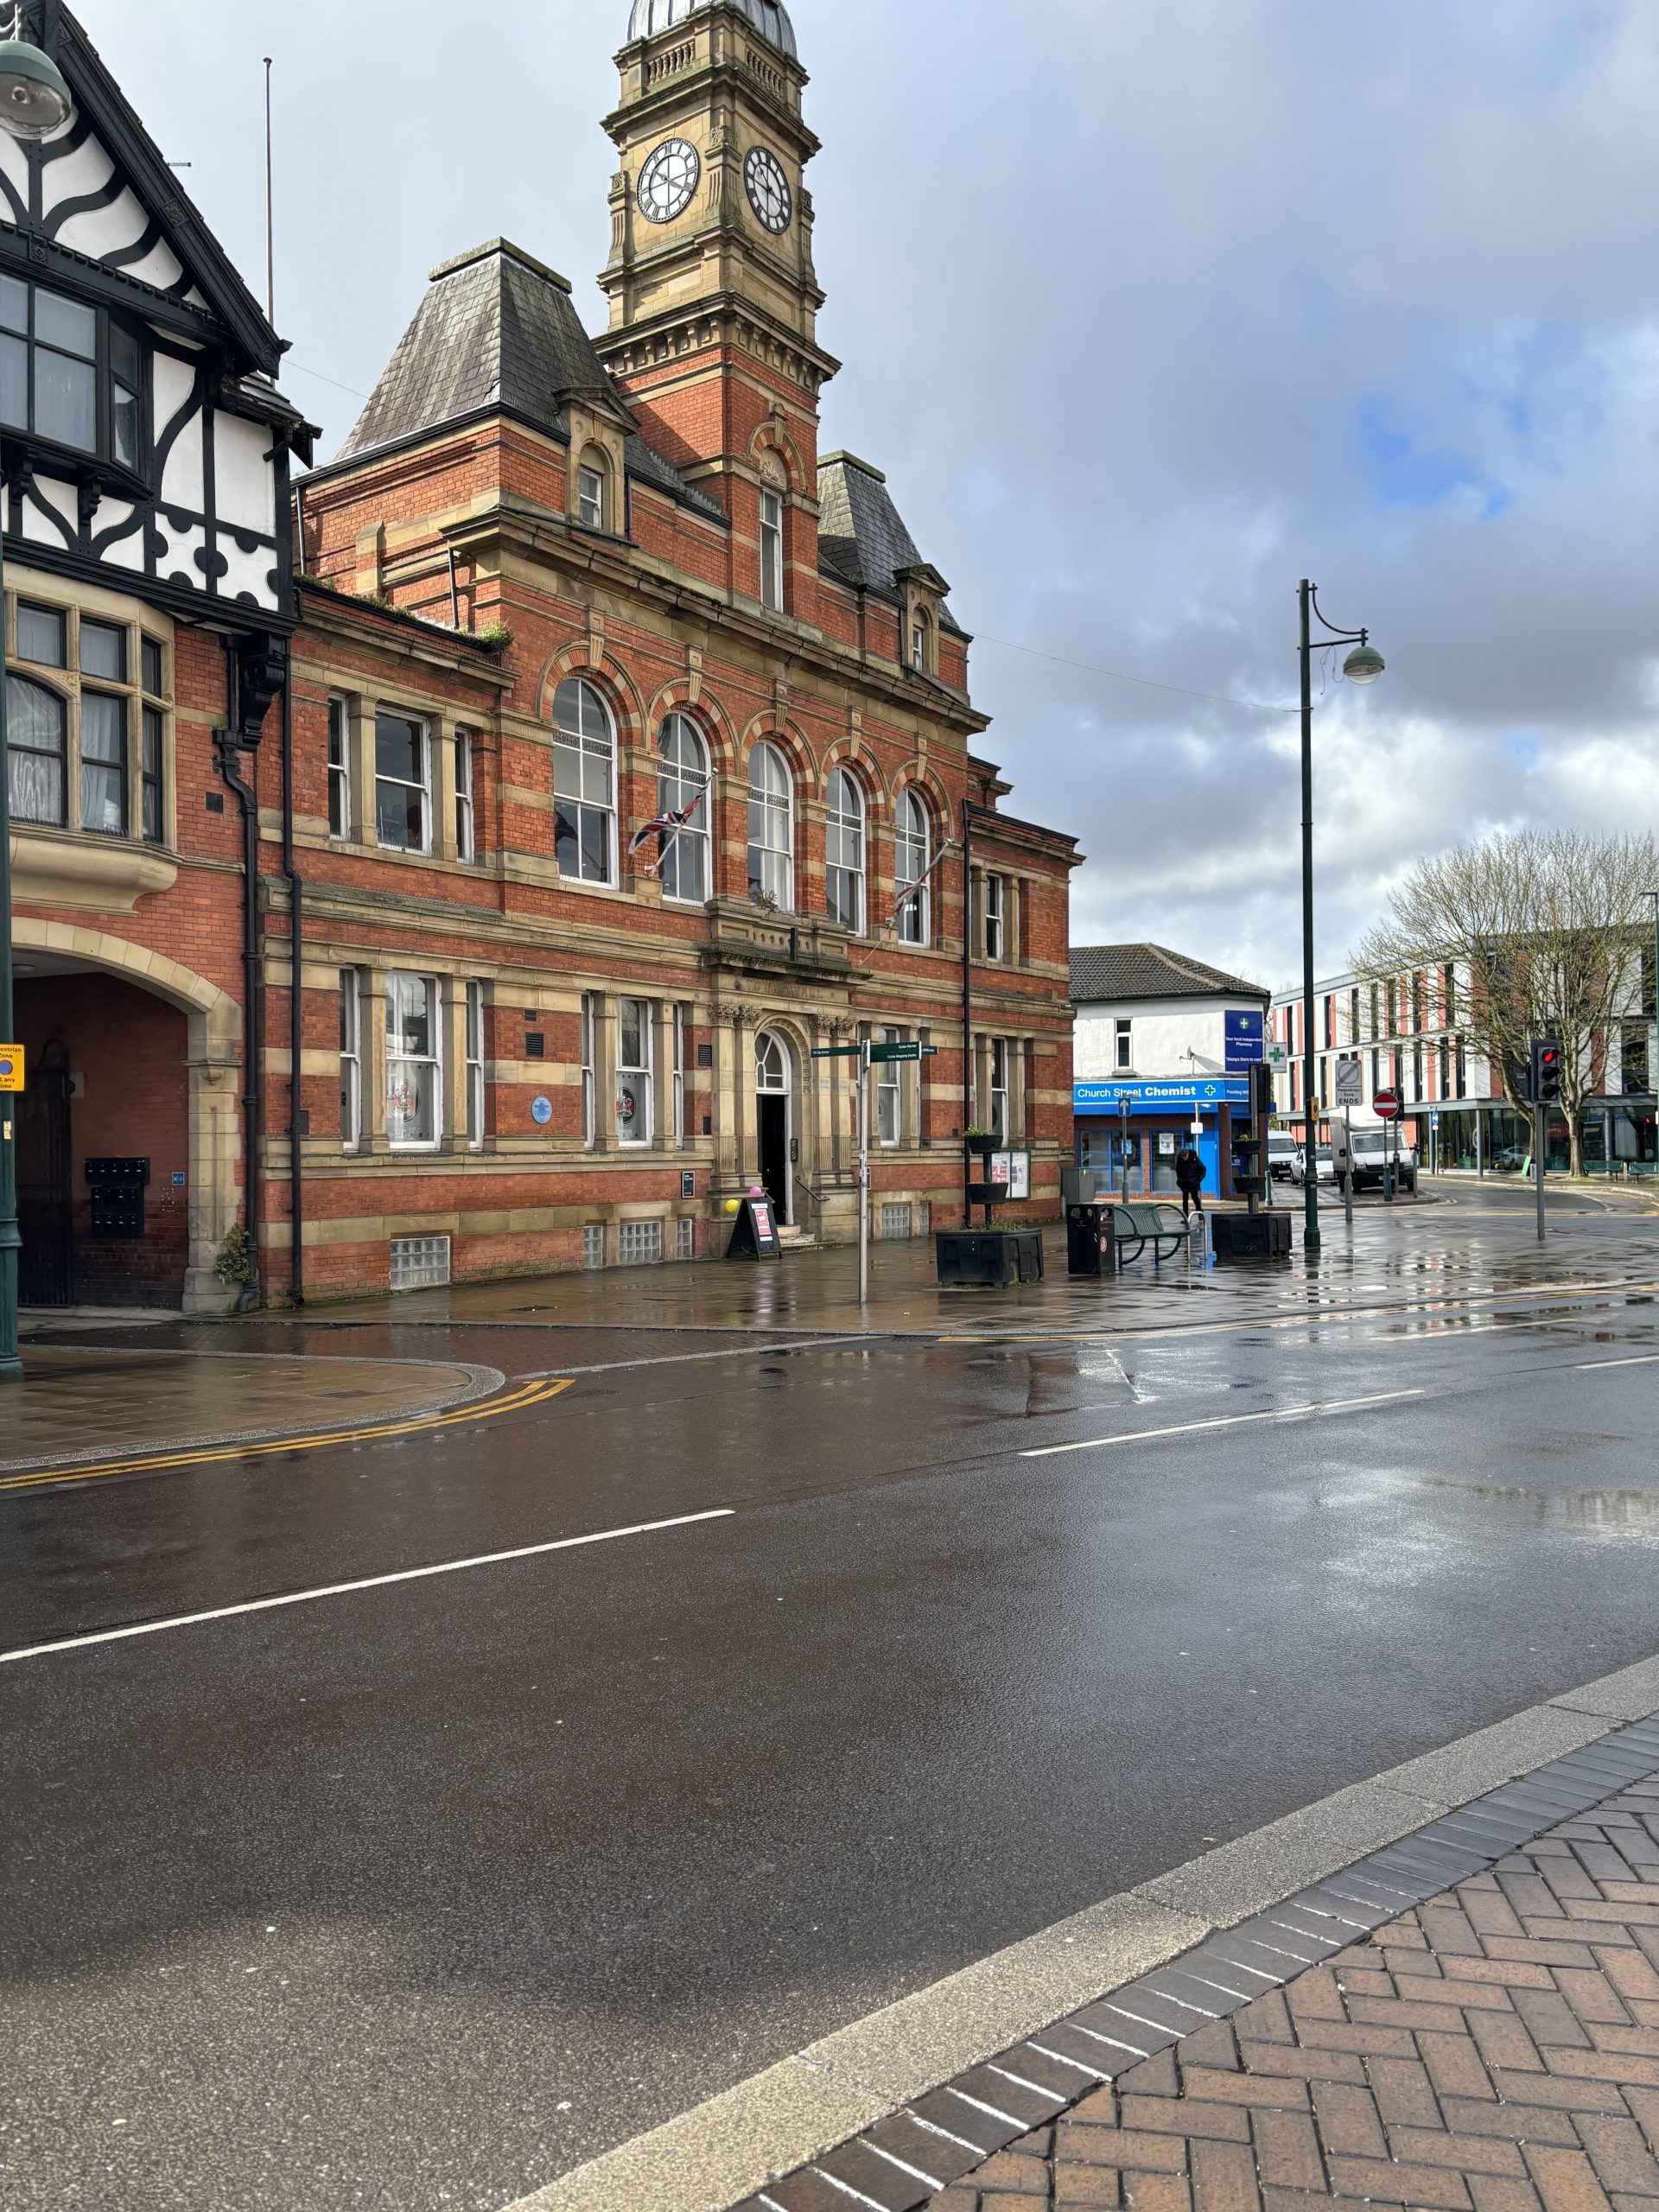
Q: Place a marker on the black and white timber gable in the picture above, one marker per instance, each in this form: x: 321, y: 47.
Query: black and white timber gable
x: 144, y: 443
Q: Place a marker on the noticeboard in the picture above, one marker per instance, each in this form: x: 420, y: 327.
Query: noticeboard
x: 11, y: 1067
x: 1013, y: 1169
x: 755, y: 1236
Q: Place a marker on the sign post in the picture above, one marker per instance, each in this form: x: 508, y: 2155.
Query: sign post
x: 1125, y: 1115
x: 864, y: 1175
x: 1351, y: 1092
x: 1390, y: 1107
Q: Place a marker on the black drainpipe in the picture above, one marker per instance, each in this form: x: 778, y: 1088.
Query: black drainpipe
x: 295, y: 1009
x: 230, y: 769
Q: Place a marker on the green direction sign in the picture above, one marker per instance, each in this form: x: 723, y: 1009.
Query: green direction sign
x: 836, y: 1052
x: 883, y: 1053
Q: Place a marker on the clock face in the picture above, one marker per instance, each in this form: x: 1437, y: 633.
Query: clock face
x: 768, y: 190
x: 668, y: 180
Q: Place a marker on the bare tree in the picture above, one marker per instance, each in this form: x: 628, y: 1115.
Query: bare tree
x: 1548, y: 929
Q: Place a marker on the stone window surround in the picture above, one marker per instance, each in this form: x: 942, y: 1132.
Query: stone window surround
x: 442, y: 730
x: 453, y: 982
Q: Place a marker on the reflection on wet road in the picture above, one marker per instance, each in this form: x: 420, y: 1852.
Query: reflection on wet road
x: 421, y: 1891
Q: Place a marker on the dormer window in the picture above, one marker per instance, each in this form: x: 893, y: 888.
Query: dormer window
x: 69, y: 374
x: 590, y: 493
x: 921, y: 656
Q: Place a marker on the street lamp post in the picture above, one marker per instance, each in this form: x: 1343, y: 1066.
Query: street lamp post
x: 35, y: 102
x: 1364, y: 666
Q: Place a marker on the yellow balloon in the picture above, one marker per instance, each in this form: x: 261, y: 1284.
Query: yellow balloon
x: 731, y: 1204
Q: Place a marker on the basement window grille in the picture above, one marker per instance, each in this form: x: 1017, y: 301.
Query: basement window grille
x: 593, y: 1246
x: 639, y: 1244
x: 895, y: 1221
x: 686, y: 1238
x: 420, y: 1262
x: 924, y: 1220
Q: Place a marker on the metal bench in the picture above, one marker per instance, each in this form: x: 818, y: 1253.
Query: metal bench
x: 1136, y: 1225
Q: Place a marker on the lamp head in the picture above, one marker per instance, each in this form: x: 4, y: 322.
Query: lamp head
x: 1364, y: 666
x: 34, y: 100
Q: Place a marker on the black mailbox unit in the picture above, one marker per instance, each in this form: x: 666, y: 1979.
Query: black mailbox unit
x: 1091, y: 1241
x: 117, y: 1188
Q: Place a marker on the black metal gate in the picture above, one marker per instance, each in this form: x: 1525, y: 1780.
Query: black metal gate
x: 45, y: 1190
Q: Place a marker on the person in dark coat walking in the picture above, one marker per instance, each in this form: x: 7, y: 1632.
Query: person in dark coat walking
x: 1190, y: 1171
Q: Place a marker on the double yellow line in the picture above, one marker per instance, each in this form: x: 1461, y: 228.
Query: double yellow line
x: 513, y: 1402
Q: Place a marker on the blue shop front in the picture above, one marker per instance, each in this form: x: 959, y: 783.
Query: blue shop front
x: 1134, y: 1129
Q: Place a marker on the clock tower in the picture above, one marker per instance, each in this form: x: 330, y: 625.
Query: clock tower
x: 713, y: 298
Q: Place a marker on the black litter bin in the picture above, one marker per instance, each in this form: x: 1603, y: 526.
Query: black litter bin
x: 1091, y: 1245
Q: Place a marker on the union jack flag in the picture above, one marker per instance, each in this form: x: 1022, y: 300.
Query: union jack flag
x: 665, y: 824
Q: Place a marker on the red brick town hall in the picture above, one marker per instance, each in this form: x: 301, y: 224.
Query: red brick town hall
x: 445, y: 862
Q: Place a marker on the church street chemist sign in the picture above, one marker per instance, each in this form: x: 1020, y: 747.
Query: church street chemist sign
x: 1208, y: 1092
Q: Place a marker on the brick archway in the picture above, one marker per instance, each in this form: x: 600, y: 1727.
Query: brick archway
x: 212, y: 1057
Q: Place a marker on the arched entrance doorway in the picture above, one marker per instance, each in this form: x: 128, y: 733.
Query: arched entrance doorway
x: 774, y: 1119
x: 130, y: 1130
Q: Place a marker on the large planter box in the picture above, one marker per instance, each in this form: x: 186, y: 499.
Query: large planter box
x: 1251, y: 1237
x: 968, y: 1256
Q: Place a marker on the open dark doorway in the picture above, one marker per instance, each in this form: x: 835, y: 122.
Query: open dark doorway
x: 774, y: 1151
x: 45, y: 1190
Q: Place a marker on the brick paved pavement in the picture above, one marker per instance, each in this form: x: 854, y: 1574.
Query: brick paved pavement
x: 1495, y: 2051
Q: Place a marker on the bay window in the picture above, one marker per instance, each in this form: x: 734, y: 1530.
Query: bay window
x: 414, y: 1062
x: 87, y: 744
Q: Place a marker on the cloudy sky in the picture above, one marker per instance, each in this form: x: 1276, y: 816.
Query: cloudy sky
x: 1148, y: 308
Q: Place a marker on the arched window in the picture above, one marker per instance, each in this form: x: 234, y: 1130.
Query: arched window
x: 770, y: 1065
x: 683, y: 788
x: 593, y: 490
x: 772, y: 828
x: 844, y: 847
x: 584, y: 784
x: 912, y: 857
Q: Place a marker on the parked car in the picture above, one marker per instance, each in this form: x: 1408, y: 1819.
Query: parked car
x: 1371, y: 1155
x: 1282, y: 1154
x: 1325, y: 1164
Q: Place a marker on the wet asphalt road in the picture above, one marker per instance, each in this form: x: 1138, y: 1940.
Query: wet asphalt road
x: 420, y: 1896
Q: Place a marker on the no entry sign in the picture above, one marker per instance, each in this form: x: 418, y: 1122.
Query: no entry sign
x: 1388, y: 1105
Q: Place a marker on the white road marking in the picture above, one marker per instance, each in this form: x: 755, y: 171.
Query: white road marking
x: 1229, y: 1420
x: 370, y: 1582
x: 1650, y: 1359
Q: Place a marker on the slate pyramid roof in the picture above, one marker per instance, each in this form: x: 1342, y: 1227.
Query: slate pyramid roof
x: 498, y: 329
x: 861, y: 534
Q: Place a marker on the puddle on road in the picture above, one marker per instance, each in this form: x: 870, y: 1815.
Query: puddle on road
x: 1594, y: 1512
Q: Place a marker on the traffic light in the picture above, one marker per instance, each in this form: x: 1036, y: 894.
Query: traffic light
x: 1546, y: 1071
x: 1262, y: 1098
